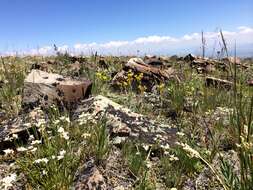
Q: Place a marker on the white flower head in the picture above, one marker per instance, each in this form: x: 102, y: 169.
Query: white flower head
x: 7, y: 138
x: 85, y: 135
x: 36, y: 142
x: 45, y: 160
x: 15, y: 136
x: 21, y: 149
x: 65, y: 135
x: 8, y: 181
x: 56, y: 122
x: 149, y: 164
x: 31, y: 137
x: 146, y: 147
x: 8, y: 151
x: 166, y: 147
x: 34, y: 149
x: 180, y: 134
x: 61, y: 130
x: 44, y: 172
x: 173, y: 158
x: 62, y: 152
x: 60, y: 157
x: 64, y: 118
x: 41, y: 122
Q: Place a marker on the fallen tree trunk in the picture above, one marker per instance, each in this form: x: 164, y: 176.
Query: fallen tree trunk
x: 150, y: 75
x: 215, y: 82
x: 137, y: 65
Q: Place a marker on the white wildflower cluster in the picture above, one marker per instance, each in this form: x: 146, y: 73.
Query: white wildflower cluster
x: 31, y: 138
x: 63, y: 133
x: 166, y: 149
x: 22, y: 149
x: 44, y: 172
x: 11, y: 137
x: 64, y: 119
x: 84, y: 118
x: 41, y: 123
x: 146, y: 147
x: 8, y: 181
x: 223, y: 113
x: 191, y: 152
x: 32, y: 149
x: 61, y: 155
x: 172, y: 157
x: 158, y: 137
x: 15, y: 136
x: 224, y: 110
x: 28, y: 149
x: 149, y: 164
x: 8, y: 151
x: 41, y: 160
x: 180, y: 134
x: 56, y: 122
x: 36, y: 142
x: 166, y: 146
x: 86, y: 135
x: 61, y: 120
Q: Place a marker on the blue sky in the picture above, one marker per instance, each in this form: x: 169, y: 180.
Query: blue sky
x: 29, y: 24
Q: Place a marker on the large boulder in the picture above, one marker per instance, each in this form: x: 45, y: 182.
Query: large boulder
x: 42, y: 88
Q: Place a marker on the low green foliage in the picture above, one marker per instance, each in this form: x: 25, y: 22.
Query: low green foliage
x: 201, y: 114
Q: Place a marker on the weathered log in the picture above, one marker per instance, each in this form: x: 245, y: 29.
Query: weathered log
x: 42, y: 88
x: 124, y: 124
x: 136, y: 64
x: 215, y: 82
x: 151, y: 75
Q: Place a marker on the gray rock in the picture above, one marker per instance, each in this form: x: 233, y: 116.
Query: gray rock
x: 122, y: 122
x: 89, y: 178
x: 22, y: 125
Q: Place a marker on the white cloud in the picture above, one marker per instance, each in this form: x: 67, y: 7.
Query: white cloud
x: 114, y: 44
x: 193, y: 36
x: 154, y: 39
x: 245, y: 29
x: 189, y: 43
